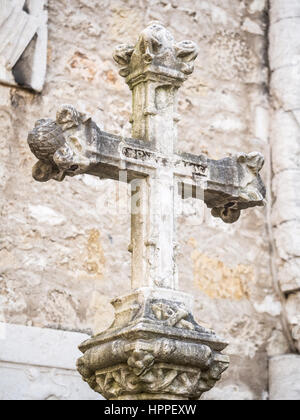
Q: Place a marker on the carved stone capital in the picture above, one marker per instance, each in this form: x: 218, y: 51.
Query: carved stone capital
x: 156, y: 52
x: 154, y: 350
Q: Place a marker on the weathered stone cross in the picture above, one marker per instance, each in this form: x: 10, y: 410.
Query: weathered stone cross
x: 154, y: 349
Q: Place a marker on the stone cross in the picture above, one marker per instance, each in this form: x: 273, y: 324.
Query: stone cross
x: 154, y: 349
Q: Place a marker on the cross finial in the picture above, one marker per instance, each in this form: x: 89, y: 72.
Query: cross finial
x: 156, y: 51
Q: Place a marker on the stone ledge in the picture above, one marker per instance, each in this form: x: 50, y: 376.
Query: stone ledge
x: 28, y: 382
x: 40, y: 346
x: 39, y: 364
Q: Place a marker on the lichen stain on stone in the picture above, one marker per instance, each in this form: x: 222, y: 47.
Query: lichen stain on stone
x: 220, y: 281
x: 85, y: 66
x: 61, y: 309
x: 21, y: 98
x: 49, y: 55
x: 95, y: 260
x: 232, y: 56
x: 111, y: 76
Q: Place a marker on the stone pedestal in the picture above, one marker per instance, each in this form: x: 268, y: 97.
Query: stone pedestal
x: 285, y: 377
x: 154, y: 350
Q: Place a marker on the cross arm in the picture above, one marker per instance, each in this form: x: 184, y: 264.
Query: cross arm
x: 228, y: 185
x: 234, y: 184
x: 73, y: 144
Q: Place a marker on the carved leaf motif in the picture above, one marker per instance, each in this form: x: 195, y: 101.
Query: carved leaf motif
x: 254, y: 161
x: 161, y: 379
x: 187, y: 51
x: 174, y: 316
x: 158, y: 379
x: 112, y: 382
x: 140, y: 361
x: 122, y: 56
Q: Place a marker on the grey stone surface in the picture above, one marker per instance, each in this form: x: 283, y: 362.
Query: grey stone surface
x: 40, y: 364
x: 285, y: 142
x: 289, y: 275
x: 284, y: 10
x: 285, y: 377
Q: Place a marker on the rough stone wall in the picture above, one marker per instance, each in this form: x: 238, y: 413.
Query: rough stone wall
x: 63, y: 247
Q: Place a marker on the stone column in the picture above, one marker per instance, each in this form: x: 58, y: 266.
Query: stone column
x: 284, y: 55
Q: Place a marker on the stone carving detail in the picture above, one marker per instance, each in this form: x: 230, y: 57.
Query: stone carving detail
x: 156, y: 46
x: 164, y: 352
x: 197, y: 169
x: 60, y: 145
x: 174, y: 316
x: 160, y: 380
x: 251, y: 189
x: 122, y: 56
x: 229, y: 214
x: 137, y: 154
x: 23, y: 43
x: 160, y: 368
x: 252, y: 164
x: 140, y: 362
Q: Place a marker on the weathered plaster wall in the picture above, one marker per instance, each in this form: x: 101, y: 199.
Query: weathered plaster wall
x: 63, y: 247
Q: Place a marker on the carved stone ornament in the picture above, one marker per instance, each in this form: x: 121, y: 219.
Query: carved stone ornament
x: 61, y: 145
x: 155, y: 50
x: 154, y: 349
x: 23, y: 43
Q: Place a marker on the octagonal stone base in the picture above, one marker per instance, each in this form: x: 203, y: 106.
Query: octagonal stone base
x: 154, y: 350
